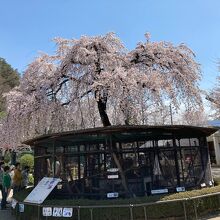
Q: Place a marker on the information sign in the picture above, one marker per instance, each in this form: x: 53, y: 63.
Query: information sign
x: 180, y: 189
x: 67, y: 212
x: 203, y: 185
x: 112, y: 170
x: 21, y: 207
x: 159, y: 191
x: 112, y: 195
x: 113, y: 176
x: 47, y: 211
x: 42, y: 190
x: 57, y: 212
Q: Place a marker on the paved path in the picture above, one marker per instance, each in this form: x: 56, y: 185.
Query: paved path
x: 6, y: 215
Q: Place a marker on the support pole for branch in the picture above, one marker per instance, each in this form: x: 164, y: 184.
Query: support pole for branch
x: 131, y: 212
x: 195, y: 209
x: 145, y: 213
x: 184, y: 209
x: 78, y: 213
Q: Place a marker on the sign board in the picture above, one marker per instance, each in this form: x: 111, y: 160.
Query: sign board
x: 158, y: 191
x: 112, y: 195
x: 67, y: 212
x: 180, y: 189
x: 21, y: 207
x: 47, y: 211
x: 112, y: 170
x: 57, y: 212
x: 42, y: 190
x: 203, y: 185
x: 113, y: 176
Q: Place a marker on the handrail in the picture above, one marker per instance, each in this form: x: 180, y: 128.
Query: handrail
x: 125, y: 205
x: 129, y: 206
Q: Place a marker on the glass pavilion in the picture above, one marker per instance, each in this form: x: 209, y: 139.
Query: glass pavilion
x: 124, y: 161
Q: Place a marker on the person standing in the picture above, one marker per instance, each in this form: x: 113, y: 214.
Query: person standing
x: 1, y: 176
x: 25, y: 174
x: 12, y: 171
x: 17, y: 178
x: 6, y: 186
x: 13, y: 157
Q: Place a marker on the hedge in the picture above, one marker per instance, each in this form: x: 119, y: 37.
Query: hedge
x: 27, y: 160
x: 173, y: 210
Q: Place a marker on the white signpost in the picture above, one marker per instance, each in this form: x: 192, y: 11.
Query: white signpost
x: 67, y: 212
x: 21, y: 207
x: 112, y: 173
x: 47, y: 211
x: 112, y: 170
x: 159, y: 191
x: 180, y: 189
x: 42, y: 190
x: 113, y: 176
x: 112, y: 195
x: 57, y: 212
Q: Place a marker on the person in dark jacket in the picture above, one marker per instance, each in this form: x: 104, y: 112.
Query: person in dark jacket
x: 6, y: 186
x: 1, y: 176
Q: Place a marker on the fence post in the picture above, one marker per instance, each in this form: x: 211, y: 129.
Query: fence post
x: 145, y: 213
x: 218, y: 200
x: 131, y: 212
x: 17, y: 206
x: 91, y: 214
x: 184, y: 209
x: 78, y: 211
x: 195, y: 208
x: 38, y: 213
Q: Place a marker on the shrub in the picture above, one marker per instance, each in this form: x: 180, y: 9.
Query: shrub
x: 31, y: 179
x: 27, y: 160
x: 7, y: 157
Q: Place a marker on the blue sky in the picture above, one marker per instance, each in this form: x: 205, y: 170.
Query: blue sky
x: 28, y: 26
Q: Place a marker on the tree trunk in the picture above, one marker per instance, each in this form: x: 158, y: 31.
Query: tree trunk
x: 102, y: 112
x: 105, y: 121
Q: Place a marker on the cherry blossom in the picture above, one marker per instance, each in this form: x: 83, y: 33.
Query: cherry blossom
x: 96, y: 81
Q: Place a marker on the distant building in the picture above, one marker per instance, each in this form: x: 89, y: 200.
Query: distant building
x: 214, y: 143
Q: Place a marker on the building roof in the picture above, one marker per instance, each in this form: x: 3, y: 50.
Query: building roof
x: 122, y: 133
x: 214, y: 123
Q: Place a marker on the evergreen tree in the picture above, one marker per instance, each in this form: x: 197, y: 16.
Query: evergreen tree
x: 9, y: 78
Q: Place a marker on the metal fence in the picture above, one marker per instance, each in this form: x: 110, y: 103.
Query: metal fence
x: 186, y: 208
